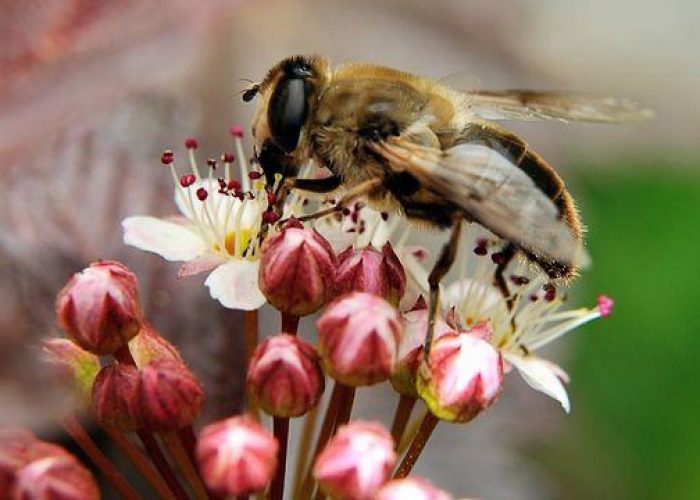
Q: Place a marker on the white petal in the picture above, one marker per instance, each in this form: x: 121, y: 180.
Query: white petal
x: 201, y: 264
x: 235, y: 285
x: 336, y: 233
x: 542, y: 376
x: 170, y: 240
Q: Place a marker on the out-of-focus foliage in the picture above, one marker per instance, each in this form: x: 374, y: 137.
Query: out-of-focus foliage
x: 634, y: 431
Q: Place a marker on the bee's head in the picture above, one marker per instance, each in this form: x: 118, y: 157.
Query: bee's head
x: 288, y: 96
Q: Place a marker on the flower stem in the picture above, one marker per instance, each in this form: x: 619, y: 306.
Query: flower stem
x: 156, y: 454
x: 280, y: 425
x: 251, y: 343
x: 140, y: 462
x: 189, y: 442
x: 76, y: 431
x: 281, y: 431
x: 425, y: 430
x: 304, y: 448
x: 401, y: 417
x: 345, y: 407
x: 177, y: 451
x: 324, y: 435
x: 290, y: 323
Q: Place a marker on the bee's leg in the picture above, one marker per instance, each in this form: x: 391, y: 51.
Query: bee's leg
x: 364, y: 189
x: 440, y: 269
x: 325, y: 185
x: 503, y: 259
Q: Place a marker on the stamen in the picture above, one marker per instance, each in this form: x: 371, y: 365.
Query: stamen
x: 202, y: 194
x: 187, y: 180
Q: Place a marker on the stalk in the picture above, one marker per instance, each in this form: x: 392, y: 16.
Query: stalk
x: 425, y: 430
x: 76, y: 431
x: 177, y: 451
x: 251, y: 343
x: 401, y: 417
x: 304, y: 449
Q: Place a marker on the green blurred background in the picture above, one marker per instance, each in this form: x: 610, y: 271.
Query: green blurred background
x: 634, y: 432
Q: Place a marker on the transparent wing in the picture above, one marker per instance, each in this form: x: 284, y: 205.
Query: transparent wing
x: 491, y: 190
x: 528, y: 105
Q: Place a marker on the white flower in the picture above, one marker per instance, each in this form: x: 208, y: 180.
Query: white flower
x: 218, y: 230
x: 536, y: 316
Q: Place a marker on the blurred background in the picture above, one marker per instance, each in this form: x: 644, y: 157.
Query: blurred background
x: 91, y: 91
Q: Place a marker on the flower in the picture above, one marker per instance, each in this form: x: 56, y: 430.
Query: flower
x: 297, y: 270
x: 414, y: 488
x: 356, y: 462
x: 534, y: 318
x: 76, y: 366
x: 99, y: 307
x: 285, y: 376
x: 30, y: 468
x: 462, y: 376
x: 358, y: 338
x: 169, y: 396
x: 115, y: 397
x: 55, y: 477
x: 236, y: 456
x: 370, y: 270
x: 219, y: 229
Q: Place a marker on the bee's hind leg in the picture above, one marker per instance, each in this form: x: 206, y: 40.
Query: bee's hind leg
x: 502, y: 259
x: 440, y: 269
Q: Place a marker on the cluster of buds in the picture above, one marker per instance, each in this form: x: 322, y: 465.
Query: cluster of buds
x: 30, y: 468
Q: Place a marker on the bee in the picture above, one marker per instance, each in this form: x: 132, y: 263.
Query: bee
x: 412, y: 145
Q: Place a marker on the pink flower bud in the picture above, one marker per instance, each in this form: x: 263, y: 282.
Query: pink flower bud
x: 356, y: 462
x: 76, y: 367
x: 358, y: 339
x: 369, y: 270
x: 99, y: 307
x: 414, y: 488
x: 236, y: 456
x: 169, y: 397
x: 55, y: 477
x: 297, y: 270
x: 115, y: 397
x: 150, y: 346
x: 18, y: 447
x: 463, y: 376
x: 285, y: 376
x: 403, y: 378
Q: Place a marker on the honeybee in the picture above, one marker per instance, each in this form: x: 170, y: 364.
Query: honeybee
x: 413, y: 145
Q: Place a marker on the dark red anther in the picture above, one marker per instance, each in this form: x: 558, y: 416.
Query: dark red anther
x: 236, y: 131
x: 254, y: 175
x: 269, y: 217
x: 533, y: 297
x: 355, y: 216
x: 228, y: 158
x: 167, y: 157
x: 271, y: 198
x: 202, y: 194
x: 550, y: 293
x: 187, y: 180
x: 346, y: 211
x: 239, y: 194
x: 191, y: 143
x: 305, y: 202
x: 385, y: 216
x: 222, y: 183
x: 211, y: 162
x: 233, y: 185
x: 481, y: 247
x: 498, y: 258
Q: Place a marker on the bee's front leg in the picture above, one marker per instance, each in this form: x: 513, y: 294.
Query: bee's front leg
x: 440, y: 269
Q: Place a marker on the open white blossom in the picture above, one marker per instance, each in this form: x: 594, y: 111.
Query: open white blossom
x: 219, y: 227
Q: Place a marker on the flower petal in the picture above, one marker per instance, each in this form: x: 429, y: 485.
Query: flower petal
x: 170, y: 240
x: 201, y: 264
x: 336, y: 233
x: 541, y: 375
x: 235, y: 285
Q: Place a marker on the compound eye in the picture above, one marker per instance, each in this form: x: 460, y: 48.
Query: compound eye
x: 287, y: 111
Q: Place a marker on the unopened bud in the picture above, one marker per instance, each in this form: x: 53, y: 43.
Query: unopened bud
x: 412, y: 488
x: 74, y: 366
x: 99, y: 307
x: 150, y: 346
x: 285, y: 376
x: 114, y: 397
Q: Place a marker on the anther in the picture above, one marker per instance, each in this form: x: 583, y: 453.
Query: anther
x: 269, y: 217
x: 233, y: 185
x: 271, y: 198
x: 385, y: 216
x: 167, y: 157
x: 228, y: 158
x: 211, y: 162
x: 236, y: 131
x: 202, y: 194
x: 187, y: 180
x: 481, y: 247
x: 222, y: 183
x: 346, y: 211
x: 254, y: 175
x: 498, y: 258
x: 519, y: 280
x: 191, y: 143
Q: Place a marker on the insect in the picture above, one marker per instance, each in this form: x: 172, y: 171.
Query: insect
x: 412, y: 145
